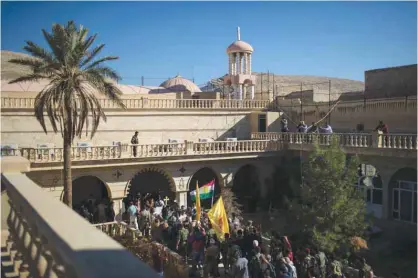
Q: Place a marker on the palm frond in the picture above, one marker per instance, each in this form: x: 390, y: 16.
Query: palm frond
x: 29, y: 62
x: 38, y: 52
x: 102, y: 60
x: 28, y: 78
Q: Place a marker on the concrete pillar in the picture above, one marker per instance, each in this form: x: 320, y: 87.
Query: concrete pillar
x: 245, y: 63
x: 252, y: 91
x: 249, y: 63
x: 230, y: 62
x: 233, y: 64
x: 181, y: 198
x: 239, y: 65
x: 240, y: 87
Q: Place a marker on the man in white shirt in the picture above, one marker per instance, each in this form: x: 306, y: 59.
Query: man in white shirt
x: 132, y: 211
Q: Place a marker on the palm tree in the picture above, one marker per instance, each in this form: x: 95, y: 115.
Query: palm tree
x: 75, y: 77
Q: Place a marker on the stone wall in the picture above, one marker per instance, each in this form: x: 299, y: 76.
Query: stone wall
x: 391, y: 82
x: 23, y: 129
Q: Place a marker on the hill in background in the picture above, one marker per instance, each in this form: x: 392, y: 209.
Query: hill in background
x: 281, y: 84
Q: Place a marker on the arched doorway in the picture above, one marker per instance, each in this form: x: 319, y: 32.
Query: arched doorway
x: 403, y: 192
x: 203, y: 177
x: 153, y: 181
x: 246, y: 188
x: 89, y: 188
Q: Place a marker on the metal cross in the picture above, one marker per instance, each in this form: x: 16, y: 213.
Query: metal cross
x: 166, y: 199
x: 182, y: 170
x: 117, y: 174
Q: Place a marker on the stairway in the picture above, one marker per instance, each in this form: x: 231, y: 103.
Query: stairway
x: 8, y: 267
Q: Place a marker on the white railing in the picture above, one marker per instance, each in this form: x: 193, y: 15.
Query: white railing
x: 142, y: 151
x: 261, y: 142
x: 48, y: 239
x: 145, y: 103
x: 391, y: 141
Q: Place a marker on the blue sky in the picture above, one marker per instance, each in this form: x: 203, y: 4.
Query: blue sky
x: 161, y: 39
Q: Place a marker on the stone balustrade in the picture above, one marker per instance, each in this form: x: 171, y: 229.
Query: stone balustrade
x: 361, y: 140
x: 143, y: 151
x: 174, y: 264
x: 393, y: 104
x: 48, y: 239
x: 145, y: 103
x: 261, y: 142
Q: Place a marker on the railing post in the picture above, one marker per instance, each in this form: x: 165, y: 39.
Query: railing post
x: 189, y: 147
x: 377, y: 139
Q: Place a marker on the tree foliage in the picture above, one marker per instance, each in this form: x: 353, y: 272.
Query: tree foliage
x: 230, y: 202
x: 329, y: 210
x: 76, y: 75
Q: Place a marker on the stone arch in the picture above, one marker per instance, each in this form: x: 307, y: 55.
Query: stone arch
x: 203, y: 176
x: 248, y: 82
x: 150, y: 180
x: 403, y: 195
x: 89, y: 187
x: 246, y: 187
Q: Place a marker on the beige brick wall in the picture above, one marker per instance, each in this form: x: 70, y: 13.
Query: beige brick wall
x: 154, y: 127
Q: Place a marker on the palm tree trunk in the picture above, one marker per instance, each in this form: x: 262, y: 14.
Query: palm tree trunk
x: 68, y: 184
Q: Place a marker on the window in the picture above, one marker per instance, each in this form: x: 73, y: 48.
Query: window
x: 372, y: 189
x: 404, y: 201
x: 262, y: 123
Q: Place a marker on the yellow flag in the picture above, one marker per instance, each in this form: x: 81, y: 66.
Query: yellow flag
x: 197, y: 203
x: 219, y: 219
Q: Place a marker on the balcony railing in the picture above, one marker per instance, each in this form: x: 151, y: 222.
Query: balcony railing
x: 361, y: 140
x: 144, y: 151
x: 261, y: 142
x: 388, y: 104
x: 145, y: 103
x: 48, y: 239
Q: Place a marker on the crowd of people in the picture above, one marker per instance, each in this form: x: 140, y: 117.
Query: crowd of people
x: 303, y: 128
x: 326, y: 128
x: 243, y: 252
x: 96, y: 211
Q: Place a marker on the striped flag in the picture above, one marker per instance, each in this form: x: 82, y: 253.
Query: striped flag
x: 205, y: 192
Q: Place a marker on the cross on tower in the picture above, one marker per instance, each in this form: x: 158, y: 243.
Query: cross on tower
x: 166, y: 199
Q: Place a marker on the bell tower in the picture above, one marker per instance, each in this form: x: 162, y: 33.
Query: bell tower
x: 240, y: 82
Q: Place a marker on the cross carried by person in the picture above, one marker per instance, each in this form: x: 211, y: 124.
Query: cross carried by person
x: 166, y: 199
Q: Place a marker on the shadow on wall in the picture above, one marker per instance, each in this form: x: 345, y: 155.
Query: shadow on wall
x: 240, y: 130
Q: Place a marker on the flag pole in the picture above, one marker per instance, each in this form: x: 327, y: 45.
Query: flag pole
x: 213, y: 193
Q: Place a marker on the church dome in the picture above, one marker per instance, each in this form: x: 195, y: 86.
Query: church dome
x: 239, y: 46
x: 180, y: 84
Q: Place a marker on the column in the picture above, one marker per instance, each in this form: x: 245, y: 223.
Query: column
x: 252, y: 91
x: 239, y: 66
x: 249, y: 63
x: 234, y: 64
x: 245, y: 63
x: 181, y: 198
x: 231, y: 59
x: 240, y: 87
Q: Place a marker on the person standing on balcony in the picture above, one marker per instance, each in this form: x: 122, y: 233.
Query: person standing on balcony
x: 302, y: 127
x: 327, y: 129
x: 134, y: 142
x: 313, y: 128
x: 285, y: 127
x: 382, y: 127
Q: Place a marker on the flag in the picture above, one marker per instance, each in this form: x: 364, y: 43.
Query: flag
x: 206, y: 191
x: 219, y: 219
x: 197, y: 203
